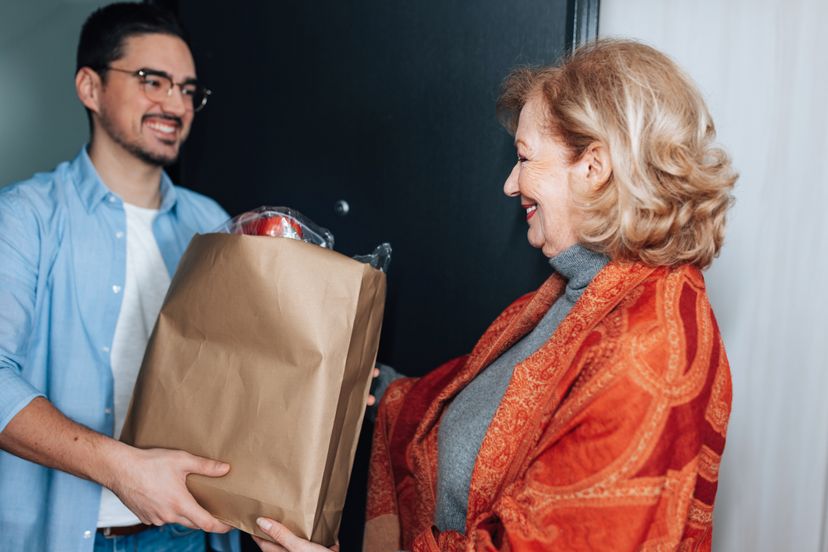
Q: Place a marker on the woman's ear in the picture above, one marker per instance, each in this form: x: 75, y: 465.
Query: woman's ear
x: 597, y: 164
x: 88, y: 87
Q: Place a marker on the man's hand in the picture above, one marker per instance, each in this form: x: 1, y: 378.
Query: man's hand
x: 152, y: 483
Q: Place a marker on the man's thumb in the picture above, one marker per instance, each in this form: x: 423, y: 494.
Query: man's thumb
x: 211, y: 468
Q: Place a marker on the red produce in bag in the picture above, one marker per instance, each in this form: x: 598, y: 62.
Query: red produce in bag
x: 278, y: 222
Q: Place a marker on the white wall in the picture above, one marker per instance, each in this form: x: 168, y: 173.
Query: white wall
x: 41, y: 120
x: 763, y: 66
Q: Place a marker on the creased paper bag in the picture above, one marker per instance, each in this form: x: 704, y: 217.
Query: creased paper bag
x: 262, y: 358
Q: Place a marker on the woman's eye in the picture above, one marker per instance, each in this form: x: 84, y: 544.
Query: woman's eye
x: 521, y: 159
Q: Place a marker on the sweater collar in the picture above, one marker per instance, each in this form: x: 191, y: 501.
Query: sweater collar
x: 578, y: 266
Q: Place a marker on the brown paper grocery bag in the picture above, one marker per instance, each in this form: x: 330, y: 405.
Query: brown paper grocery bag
x: 262, y: 358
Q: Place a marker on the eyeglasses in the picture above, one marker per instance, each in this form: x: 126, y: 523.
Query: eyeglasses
x: 158, y: 86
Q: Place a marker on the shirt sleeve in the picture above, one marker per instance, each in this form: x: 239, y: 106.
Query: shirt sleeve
x: 206, y: 211
x: 218, y: 215
x: 20, y: 253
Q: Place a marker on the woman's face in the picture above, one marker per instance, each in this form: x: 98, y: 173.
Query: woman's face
x: 542, y: 178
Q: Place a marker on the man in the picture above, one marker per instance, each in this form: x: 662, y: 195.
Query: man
x: 86, y: 254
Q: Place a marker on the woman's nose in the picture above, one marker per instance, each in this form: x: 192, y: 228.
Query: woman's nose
x: 510, y: 187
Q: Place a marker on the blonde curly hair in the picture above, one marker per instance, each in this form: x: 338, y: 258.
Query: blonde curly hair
x: 670, y: 189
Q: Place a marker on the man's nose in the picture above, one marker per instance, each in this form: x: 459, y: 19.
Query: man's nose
x: 175, y: 103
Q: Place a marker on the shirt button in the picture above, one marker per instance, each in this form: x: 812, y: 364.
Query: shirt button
x: 105, y: 349
x: 119, y: 234
x: 107, y: 411
x: 112, y: 199
x: 87, y: 534
x: 116, y: 289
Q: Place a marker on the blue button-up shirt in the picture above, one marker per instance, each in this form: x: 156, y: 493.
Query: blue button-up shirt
x: 62, y: 270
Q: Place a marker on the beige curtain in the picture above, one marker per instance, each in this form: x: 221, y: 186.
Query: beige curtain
x: 763, y: 67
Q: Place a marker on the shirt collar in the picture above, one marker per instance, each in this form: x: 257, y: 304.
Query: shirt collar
x: 168, y: 195
x: 93, y: 191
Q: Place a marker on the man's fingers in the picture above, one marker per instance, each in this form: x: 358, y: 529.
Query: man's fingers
x: 203, y: 520
x: 376, y: 372
x: 186, y: 522
x: 208, y: 467
x: 220, y: 527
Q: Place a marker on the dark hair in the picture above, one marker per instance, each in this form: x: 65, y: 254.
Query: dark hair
x: 105, y: 31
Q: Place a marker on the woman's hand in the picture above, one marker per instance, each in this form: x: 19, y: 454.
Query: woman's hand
x: 285, y: 540
x: 372, y: 399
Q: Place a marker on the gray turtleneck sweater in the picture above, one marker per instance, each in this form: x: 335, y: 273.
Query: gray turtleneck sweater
x: 467, y: 418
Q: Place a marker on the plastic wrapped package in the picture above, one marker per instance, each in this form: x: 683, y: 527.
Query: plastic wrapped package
x: 379, y: 259
x: 284, y: 222
x: 278, y: 222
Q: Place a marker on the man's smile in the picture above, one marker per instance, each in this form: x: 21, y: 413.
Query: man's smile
x: 166, y: 128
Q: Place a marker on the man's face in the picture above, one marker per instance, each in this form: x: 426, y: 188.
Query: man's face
x: 152, y: 131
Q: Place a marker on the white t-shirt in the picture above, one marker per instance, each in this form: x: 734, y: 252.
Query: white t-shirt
x: 145, y: 285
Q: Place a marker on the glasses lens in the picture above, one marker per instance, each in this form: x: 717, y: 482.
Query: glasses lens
x: 199, y: 97
x: 194, y: 95
x: 156, y: 87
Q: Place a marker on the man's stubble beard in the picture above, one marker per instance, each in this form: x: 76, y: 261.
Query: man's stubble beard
x: 138, y: 151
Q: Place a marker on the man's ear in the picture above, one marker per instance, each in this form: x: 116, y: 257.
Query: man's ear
x: 88, y: 87
x: 597, y: 164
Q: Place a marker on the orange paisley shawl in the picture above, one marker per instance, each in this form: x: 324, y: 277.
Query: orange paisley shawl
x: 609, y: 437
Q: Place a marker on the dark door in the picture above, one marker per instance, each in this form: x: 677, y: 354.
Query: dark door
x: 388, y: 106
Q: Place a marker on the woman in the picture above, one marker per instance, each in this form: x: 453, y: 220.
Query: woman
x: 592, y: 413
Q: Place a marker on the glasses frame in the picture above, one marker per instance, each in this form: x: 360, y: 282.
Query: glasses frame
x: 143, y: 73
